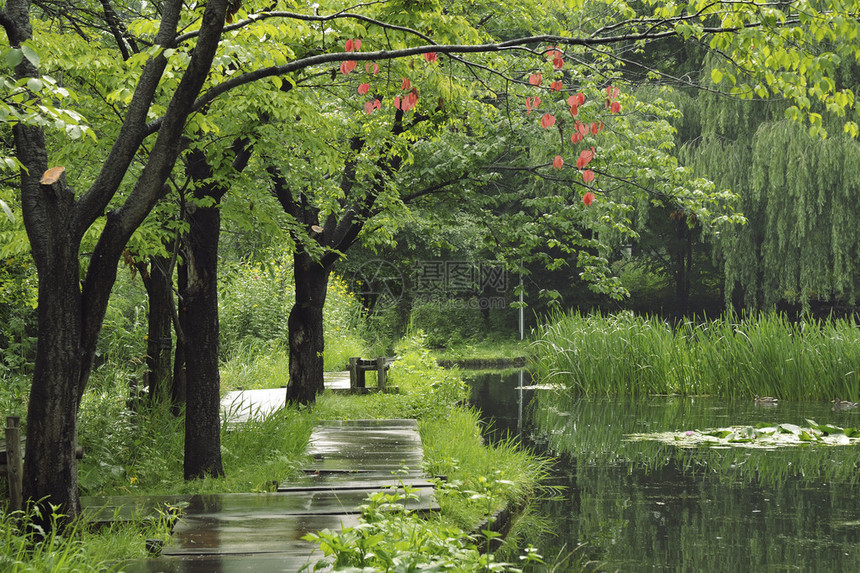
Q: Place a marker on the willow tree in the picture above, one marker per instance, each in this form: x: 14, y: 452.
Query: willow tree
x: 796, y: 189
x: 195, y: 54
x: 802, y: 242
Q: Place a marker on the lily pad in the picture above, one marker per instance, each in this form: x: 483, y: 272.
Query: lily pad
x: 761, y: 436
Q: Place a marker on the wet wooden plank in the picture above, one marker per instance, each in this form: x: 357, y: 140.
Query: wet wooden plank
x: 354, y: 445
x: 251, y: 563
x: 359, y: 479
x: 103, y: 510
x: 230, y: 534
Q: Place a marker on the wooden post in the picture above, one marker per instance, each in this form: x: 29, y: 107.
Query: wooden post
x: 356, y: 374
x: 353, y: 372
x: 380, y: 373
x: 14, y: 472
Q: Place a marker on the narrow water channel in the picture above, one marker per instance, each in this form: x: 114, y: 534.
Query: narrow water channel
x: 652, y: 506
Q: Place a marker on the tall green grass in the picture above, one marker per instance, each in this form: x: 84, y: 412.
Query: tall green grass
x: 27, y: 548
x: 729, y: 357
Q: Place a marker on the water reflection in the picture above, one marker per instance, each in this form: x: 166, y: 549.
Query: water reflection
x: 651, y: 506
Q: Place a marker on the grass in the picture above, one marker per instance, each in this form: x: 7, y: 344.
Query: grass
x: 142, y: 454
x: 729, y: 357
x: 487, y: 349
x: 24, y: 548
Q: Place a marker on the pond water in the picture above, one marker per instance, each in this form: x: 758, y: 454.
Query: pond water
x: 647, y: 505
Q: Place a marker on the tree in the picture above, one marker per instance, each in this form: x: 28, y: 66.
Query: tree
x: 165, y: 83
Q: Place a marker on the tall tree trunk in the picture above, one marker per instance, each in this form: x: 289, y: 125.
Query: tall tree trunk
x: 199, y: 320
x: 159, y: 343
x: 306, y: 329
x: 50, y: 466
x: 70, y: 313
x: 179, y: 390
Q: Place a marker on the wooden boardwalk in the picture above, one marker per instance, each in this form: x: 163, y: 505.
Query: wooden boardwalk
x: 263, y: 532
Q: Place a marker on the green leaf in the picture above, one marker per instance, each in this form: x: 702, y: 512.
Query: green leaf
x: 13, y: 57
x: 7, y: 210
x: 716, y: 76
x: 30, y: 54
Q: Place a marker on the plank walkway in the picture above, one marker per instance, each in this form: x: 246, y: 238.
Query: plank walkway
x: 263, y: 532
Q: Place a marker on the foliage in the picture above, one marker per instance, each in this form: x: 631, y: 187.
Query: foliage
x: 17, y: 314
x: 491, y: 348
x: 121, y: 349
x: 459, y: 322
x: 391, y: 538
x: 24, y: 549
x: 253, y: 305
x: 416, y: 371
x: 731, y: 357
x: 255, y: 301
x: 803, y: 235
x: 14, y: 390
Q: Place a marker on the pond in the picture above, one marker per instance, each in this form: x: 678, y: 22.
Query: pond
x: 649, y: 505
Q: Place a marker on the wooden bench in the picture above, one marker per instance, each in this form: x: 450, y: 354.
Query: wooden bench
x: 359, y: 366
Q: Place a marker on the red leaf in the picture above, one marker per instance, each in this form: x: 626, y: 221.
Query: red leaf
x: 430, y: 56
x: 363, y: 89
x: 369, y: 107
x: 615, y: 107
x: 585, y: 157
x: 356, y: 44
x: 558, y: 62
x: 612, y: 92
x: 532, y: 103
x: 548, y: 120
x: 349, y: 46
x: 588, y: 198
x: 535, y: 79
x: 396, y: 102
x: 582, y: 128
x: 347, y: 66
x: 596, y: 127
x: 556, y: 86
x: 409, y: 100
x: 557, y: 162
x: 576, y: 137
x: 574, y: 109
x: 581, y: 97
x: 375, y: 68
x: 406, y: 84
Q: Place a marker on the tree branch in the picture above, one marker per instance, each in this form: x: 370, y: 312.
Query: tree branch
x: 132, y: 133
x: 150, y: 187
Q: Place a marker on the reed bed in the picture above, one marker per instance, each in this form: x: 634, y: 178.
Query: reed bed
x: 731, y: 357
